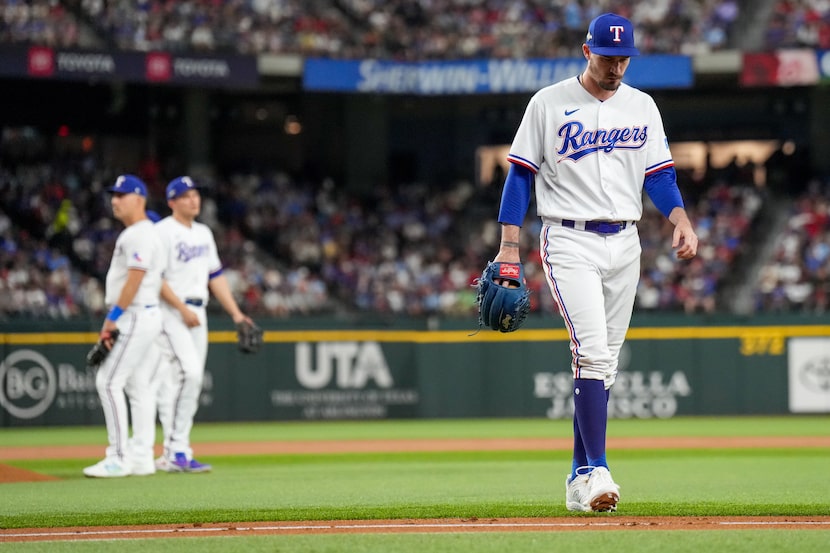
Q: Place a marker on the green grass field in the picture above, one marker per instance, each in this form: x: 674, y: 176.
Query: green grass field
x: 247, y: 488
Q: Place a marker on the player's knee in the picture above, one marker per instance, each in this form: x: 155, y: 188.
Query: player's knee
x: 594, y: 372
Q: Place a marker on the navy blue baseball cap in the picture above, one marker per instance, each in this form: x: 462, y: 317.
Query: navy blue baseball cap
x: 179, y: 186
x: 610, y: 34
x: 129, y: 184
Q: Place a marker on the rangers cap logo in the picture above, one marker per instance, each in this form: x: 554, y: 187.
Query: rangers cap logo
x: 611, y: 35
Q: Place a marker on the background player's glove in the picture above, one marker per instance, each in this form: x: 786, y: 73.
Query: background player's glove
x: 500, y: 307
x: 249, y: 337
x: 101, y: 349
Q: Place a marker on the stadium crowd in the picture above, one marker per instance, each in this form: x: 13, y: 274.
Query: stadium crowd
x: 293, y: 247
x: 38, y: 22
x: 722, y: 218
x: 352, y: 29
x: 399, y: 29
x: 797, y: 278
x: 798, y: 24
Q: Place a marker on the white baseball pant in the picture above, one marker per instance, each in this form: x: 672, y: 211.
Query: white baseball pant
x: 593, y: 279
x: 130, y: 369
x: 180, y: 376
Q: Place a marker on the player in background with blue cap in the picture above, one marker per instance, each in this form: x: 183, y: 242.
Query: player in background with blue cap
x: 133, y: 285
x: 588, y: 146
x: 193, y: 272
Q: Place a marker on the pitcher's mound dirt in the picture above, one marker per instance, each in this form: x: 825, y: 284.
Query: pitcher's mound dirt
x: 13, y: 474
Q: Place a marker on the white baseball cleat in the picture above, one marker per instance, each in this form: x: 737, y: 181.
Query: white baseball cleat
x: 603, y: 494
x: 111, y: 467
x: 143, y: 469
x: 576, y: 491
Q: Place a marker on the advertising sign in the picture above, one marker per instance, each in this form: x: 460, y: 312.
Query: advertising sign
x: 809, y: 375
x: 479, y: 76
x: 42, y: 62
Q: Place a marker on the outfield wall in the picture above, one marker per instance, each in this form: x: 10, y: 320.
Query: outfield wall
x: 433, y: 369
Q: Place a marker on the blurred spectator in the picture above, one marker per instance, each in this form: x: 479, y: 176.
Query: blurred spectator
x: 722, y: 217
x: 295, y: 247
x: 40, y: 22
x: 798, y: 276
x: 799, y: 24
x: 383, y: 29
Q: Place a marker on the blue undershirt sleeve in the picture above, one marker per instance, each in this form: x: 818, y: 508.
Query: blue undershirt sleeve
x: 661, y: 187
x: 515, y: 197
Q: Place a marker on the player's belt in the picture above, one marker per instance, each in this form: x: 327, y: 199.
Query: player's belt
x: 600, y: 227
x: 195, y: 302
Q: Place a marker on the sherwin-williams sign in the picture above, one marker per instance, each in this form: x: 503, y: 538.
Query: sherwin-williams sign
x: 480, y: 76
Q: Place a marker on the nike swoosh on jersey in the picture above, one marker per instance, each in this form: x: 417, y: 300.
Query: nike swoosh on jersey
x: 570, y: 111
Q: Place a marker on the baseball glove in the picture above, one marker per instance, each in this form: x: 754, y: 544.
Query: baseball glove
x: 101, y: 349
x: 248, y: 337
x: 502, y: 308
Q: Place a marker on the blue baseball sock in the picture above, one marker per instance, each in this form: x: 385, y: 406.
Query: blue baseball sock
x: 591, y: 414
x: 579, y: 459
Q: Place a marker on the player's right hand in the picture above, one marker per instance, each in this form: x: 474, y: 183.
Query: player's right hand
x: 190, y: 318
x: 105, y: 337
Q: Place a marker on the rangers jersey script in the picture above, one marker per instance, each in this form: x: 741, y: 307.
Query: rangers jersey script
x: 191, y: 255
x: 137, y: 247
x: 605, y: 149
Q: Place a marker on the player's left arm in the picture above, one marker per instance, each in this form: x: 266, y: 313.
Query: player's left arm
x: 220, y: 288
x: 661, y: 187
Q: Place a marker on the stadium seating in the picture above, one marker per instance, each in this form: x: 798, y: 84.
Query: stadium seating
x: 293, y: 247
x: 797, y: 278
x: 351, y: 29
x: 798, y: 24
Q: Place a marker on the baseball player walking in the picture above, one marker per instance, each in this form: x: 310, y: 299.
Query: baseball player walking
x: 132, y: 291
x: 193, y: 271
x: 590, y: 144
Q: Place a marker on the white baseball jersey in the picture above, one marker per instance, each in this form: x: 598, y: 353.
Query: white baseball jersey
x: 137, y: 247
x: 590, y: 157
x: 191, y: 258
x: 133, y: 361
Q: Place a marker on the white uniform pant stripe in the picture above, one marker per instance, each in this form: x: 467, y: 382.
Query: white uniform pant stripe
x: 560, y: 303
x: 593, y: 279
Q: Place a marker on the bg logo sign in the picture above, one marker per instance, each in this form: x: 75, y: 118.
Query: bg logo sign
x: 28, y: 384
